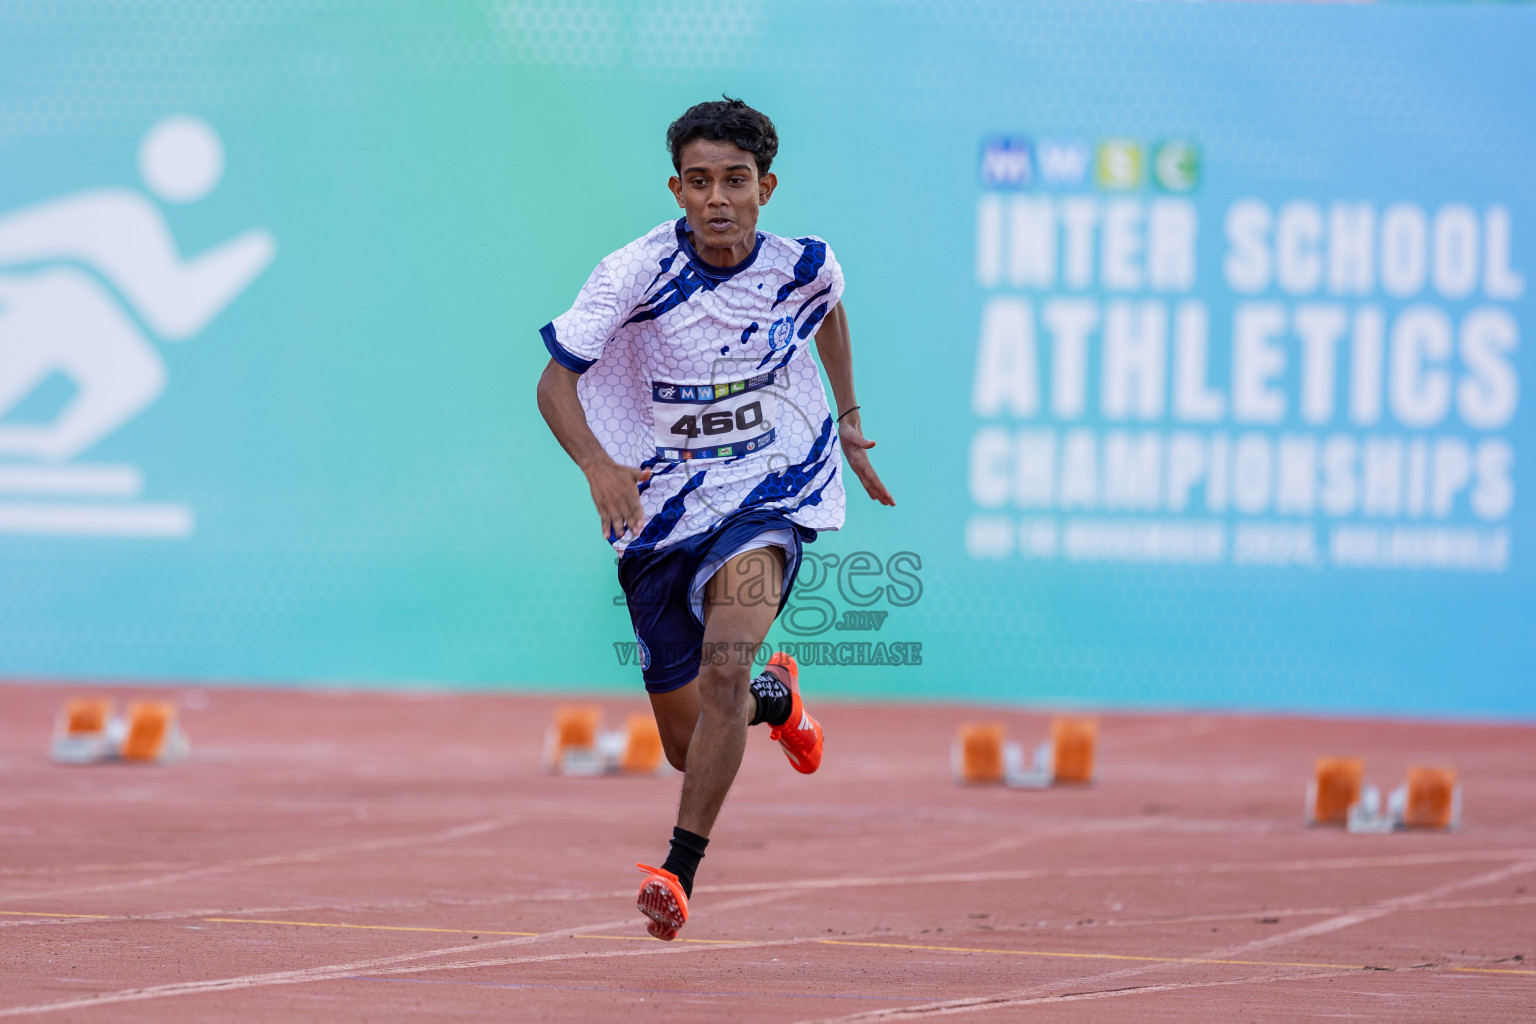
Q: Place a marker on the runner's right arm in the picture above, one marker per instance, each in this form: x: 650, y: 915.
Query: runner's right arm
x: 614, y: 487
x: 836, y: 352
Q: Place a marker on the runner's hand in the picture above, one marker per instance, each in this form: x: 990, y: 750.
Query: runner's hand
x: 615, y: 492
x: 856, y: 448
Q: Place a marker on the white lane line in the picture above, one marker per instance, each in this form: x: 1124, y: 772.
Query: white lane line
x: 1043, y: 993
x: 1003, y: 1002
x: 270, y: 860
x: 91, y: 869
x: 1494, y: 903
x: 1043, y: 833
x: 803, y: 884
x: 1128, y: 871
x: 1383, y: 908
x: 245, y: 981
x: 388, y: 965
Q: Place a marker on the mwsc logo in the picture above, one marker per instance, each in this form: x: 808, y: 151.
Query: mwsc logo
x: 1115, y: 165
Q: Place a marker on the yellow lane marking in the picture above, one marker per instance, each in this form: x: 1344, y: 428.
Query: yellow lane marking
x: 647, y: 938
x: 364, y: 927
x: 1091, y: 956
x: 825, y: 942
x: 454, y: 931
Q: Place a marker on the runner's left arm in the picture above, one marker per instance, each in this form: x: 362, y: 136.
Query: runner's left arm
x: 615, y: 487
x: 836, y: 352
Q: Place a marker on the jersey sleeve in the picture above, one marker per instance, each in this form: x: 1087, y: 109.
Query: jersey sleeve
x: 825, y: 289
x: 577, y: 337
x: 832, y: 277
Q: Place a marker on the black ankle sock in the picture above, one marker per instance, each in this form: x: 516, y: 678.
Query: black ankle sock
x: 683, y: 859
x: 774, y: 700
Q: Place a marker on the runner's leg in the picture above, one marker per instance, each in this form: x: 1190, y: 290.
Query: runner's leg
x: 677, y: 715
x: 739, y: 607
x: 740, y: 602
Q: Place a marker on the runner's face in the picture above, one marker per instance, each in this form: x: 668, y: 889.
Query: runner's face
x: 721, y: 191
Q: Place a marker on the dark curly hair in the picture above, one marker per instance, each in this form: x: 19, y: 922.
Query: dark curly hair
x: 725, y: 120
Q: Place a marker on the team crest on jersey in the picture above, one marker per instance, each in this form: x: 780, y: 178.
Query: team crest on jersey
x: 779, y: 333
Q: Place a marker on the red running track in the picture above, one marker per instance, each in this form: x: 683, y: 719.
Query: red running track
x: 375, y: 858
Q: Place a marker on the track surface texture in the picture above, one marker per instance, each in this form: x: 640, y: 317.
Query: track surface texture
x: 383, y: 857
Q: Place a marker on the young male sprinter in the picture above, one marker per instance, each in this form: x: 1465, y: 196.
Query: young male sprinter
x: 682, y: 384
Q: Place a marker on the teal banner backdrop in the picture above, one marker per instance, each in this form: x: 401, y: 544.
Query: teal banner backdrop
x: 1192, y: 335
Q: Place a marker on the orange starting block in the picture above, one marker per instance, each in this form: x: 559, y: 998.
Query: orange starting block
x: 153, y: 733
x: 976, y: 756
x: 1433, y: 799
x: 1072, y: 745
x: 576, y: 744
x: 87, y: 715
x: 1334, y: 789
x: 642, y: 754
x: 980, y: 754
x: 572, y: 731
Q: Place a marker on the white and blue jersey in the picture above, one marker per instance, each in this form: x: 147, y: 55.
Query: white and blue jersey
x: 704, y: 375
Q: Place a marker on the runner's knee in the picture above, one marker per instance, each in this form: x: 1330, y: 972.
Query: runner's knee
x: 725, y: 689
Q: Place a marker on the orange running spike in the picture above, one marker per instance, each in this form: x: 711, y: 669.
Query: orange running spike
x: 788, y: 665
x: 800, y: 735
x: 662, y: 900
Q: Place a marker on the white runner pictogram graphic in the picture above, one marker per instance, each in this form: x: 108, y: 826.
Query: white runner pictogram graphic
x: 68, y: 268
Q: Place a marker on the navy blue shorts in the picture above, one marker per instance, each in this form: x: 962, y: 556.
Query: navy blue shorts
x: 665, y: 589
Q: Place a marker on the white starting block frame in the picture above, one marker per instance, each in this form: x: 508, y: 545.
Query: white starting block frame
x: 86, y: 747
x: 1019, y: 774
x: 1367, y: 816
x: 115, y: 741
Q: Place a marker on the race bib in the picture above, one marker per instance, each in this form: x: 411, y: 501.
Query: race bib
x: 713, y: 421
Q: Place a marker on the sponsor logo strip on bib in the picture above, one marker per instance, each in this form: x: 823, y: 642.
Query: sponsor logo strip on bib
x: 706, y: 394
x: 719, y: 451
